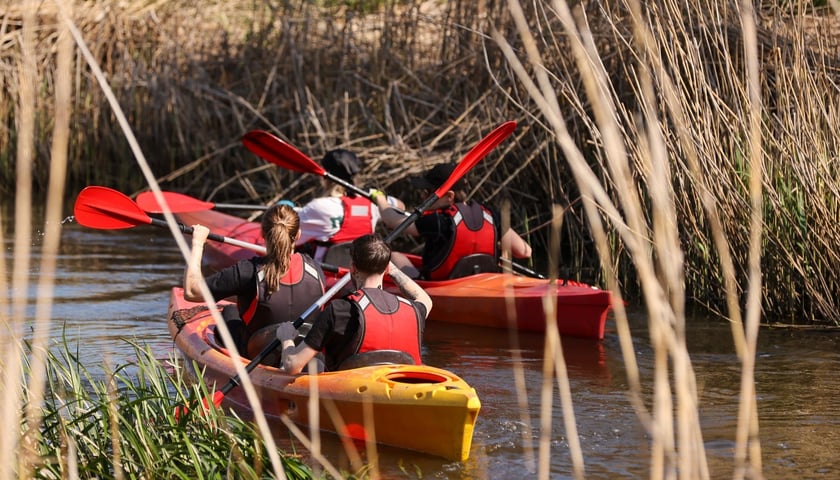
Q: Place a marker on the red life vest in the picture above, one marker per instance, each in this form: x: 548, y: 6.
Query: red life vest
x: 386, y: 322
x: 357, y: 221
x: 302, y: 285
x: 475, y: 233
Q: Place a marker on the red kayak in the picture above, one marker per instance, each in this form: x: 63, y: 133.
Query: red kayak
x: 497, y: 300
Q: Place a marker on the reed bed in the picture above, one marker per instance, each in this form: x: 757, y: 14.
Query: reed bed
x: 411, y: 85
x: 684, y: 153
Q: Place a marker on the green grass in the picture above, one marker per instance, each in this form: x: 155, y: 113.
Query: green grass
x: 123, y: 426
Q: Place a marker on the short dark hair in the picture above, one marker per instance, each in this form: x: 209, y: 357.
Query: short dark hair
x: 436, y: 176
x: 370, y: 254
x: 342, y: 163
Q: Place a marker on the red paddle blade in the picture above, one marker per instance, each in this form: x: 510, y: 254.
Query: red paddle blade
x: 177, y: 202
x: 205, y: 405
x: 107, y: 209
x: 479, y: 151
x: 270, y: 148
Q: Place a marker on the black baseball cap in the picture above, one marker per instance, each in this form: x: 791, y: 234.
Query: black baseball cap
x: 344, y: 164
x: 435, y: 177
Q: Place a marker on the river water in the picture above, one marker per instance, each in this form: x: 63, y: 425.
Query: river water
x: 112, y: 288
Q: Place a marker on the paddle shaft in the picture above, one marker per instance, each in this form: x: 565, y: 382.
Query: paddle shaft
x: 212, y: 236
x: 285, y: 155
x: 517, y: 267
x: 472, y: 157
x: 107, y: 209
x: 344, y: 183
x: 234, y: 382
x: 522, y: 269
x: 234, y: 206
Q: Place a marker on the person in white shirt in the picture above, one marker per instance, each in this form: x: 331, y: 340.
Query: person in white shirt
x: 338, y: 215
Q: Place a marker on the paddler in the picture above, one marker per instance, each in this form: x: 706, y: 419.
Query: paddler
x: 337, y: 216
x: 461, y: 237
x: 367, y: 326
x: 271, y: 289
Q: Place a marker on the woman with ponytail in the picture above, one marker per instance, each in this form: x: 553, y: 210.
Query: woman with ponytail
x: 269, y: 290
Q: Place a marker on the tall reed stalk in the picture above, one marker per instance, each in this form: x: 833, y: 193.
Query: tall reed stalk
x: 680, y: 139
x: 690, y: 149
x: 411, y: 85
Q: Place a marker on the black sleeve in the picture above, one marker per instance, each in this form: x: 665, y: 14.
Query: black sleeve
x: 233, y: 280
x: 329, y: 328
x: 421, y: 310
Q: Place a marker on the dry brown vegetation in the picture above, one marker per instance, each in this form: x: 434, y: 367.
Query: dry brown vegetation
x: 417, y: 84
x: 691, y: 147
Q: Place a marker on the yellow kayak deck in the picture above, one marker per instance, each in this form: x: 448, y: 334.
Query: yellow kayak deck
x: 415, y: 407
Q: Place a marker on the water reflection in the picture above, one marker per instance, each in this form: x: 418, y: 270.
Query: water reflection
x: 110, y: 287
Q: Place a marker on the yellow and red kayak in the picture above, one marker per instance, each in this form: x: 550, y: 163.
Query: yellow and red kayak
x: 496, y: 300
x: 415, y: 407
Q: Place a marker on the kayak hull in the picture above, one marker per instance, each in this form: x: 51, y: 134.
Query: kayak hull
x: 501, y: 300
x: 495, y: 300
x: 415, y: 407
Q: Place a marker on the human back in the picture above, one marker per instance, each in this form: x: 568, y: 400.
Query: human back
x: 369, y: 320
x: 465, y: 229
x: 287, y: 283
x: 270, y: 289
x: 337, y: 215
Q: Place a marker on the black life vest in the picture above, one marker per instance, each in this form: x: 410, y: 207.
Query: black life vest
x: 301, y: 287
x: 475, y: 233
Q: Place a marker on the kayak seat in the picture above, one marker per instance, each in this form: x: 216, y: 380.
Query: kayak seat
x: 338, y: 254
x: 376, y: 357
x: 473, y: 264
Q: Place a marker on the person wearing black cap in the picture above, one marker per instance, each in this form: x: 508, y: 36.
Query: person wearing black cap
x: 337, y: 216
x: 460, y: 237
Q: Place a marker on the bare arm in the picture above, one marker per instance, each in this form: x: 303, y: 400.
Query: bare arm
x: 409, y: 287
x: 518, y: 247
x: 390, y: 216
x: 192, y: 274
x: 293, y: 357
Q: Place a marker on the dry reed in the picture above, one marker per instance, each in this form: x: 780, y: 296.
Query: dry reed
x: 690, y: 147
x: 413, y: 85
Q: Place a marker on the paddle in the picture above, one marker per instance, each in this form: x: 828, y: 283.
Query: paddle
x: 107, y: 209
x: 521, y: 268
x: 479, y: 151
x: 179, y: 202
x: 269, y: 147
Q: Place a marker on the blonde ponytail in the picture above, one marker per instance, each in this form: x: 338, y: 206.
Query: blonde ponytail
x: 280, y: 226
